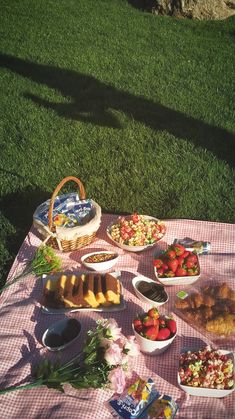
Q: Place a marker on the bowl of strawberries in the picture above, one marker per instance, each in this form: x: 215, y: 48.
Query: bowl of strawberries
x: 176, y: 266
x: 154, y: 332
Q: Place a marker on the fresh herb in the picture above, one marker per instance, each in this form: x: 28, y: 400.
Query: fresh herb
x: 45, y: 262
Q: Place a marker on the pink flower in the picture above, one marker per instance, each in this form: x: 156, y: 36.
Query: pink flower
x: 113, y: 355
x: 117, y: 379
x: 132, y: 346
x: 105, y: 342
x: 113, y: 331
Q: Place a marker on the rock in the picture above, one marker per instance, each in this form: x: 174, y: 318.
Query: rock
x: 193, y: 9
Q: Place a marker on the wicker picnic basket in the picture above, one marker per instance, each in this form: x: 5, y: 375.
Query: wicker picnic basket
x: 63, y: 238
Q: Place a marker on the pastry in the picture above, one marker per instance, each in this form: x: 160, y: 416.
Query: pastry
x: 213, y: 308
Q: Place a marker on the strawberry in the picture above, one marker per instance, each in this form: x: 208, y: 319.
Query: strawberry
x: 151, y: 333
x: 179, y: 249
x: 157, y: 263
x: 154, y: 313
x: 180, y: 272
x: 189, y: 263
x: 162, y: 322
x: 170, y: 253
x: 172, y: 264
x: 160, y: 272
x: 171, y: 325
x: 163, y: 334
x: 137, y: 323
x: 150, y: 321
x: 192, y: 271
x: 180, y: 260
x: 169, y: 274
x: 192, y: 258
x: 139, y: 329
x: 185, y: 254
x: 165, y: 267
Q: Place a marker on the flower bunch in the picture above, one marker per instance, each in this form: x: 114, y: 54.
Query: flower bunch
x: 45, y: 261
x: 103, y: 363
x: 114, y: 350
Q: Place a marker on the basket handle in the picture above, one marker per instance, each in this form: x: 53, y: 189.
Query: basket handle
x: 82, y: 195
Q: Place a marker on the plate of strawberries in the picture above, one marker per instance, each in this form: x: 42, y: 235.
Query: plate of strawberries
x: 176, y: 266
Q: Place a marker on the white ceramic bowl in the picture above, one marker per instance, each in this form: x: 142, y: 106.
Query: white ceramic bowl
x: 133, y: 248
x: 142, y: 297
x: 152, y: 347
x: 58, y: 328
x: 177, y: 280
x: 207, y: 392
x: 100, y: 266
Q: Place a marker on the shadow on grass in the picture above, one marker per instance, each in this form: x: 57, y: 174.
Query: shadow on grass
x: 94, y: 102
x: 144, y: 5
x: 18, y: 208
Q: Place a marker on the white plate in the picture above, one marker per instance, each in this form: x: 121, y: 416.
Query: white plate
x: 100, y: 266
x: 142, y: 297
x: 177, y: 280
x: 133, y: 248
x: 110, y: 309
x: 58, y: 328
x: 207, y: 392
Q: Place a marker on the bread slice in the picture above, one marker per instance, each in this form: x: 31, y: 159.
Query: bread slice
x: 70, y: 299
x: 112, y: 289
x: 99, y: 294
x: 50, y: 295
x: 78, y: 292
x: 60, y: 289
x: 89, y: 291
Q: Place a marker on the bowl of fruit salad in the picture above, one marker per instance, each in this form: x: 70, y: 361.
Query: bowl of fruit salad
x: 206, y: 372
x: 136, y: 232
x: 176, y: 266
x: 154, y: 332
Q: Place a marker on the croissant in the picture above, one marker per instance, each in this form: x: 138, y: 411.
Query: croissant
x: 222, y: 325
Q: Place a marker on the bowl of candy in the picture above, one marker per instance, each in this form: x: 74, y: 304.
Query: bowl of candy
x: 150, y: 291
x: 100, y: 261
x: 136, y: 232
x: 154, y: 332
x: 176, y: 266
x: 206, y: 372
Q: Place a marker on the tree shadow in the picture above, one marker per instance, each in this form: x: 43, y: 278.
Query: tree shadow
x: 18, y: 207
x: 143, y: 5
x: 95, y: 102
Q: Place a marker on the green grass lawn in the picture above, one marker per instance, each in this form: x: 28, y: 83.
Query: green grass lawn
x: 139, y: 107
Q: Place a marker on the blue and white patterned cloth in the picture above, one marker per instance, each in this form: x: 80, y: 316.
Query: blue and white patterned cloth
x: 78, y: 211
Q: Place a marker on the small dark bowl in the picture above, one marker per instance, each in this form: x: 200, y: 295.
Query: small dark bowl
x: 61, y: 334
